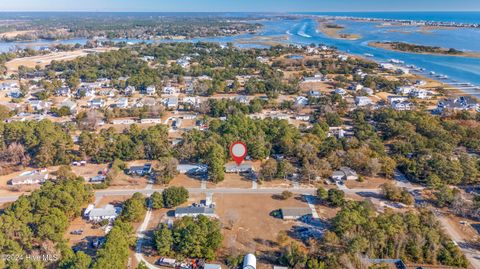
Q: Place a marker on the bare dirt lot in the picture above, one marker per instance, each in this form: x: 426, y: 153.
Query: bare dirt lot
x: 185, y: 181
x: 248, y: 226
x: 232, y: 181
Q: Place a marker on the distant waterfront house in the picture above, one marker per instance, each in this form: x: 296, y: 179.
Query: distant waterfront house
x: 194, y: 211
x: 294, y: 213
x: 460, y: 103
x: 344, y: 173
x: 29, y: 178
x: 108, y: 212
x: 405, y: 90
x: 8, y: 86
x: 419, y: 93
x: 242, y: 168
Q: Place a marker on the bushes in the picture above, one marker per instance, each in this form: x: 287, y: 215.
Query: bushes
x: 396, y: 194
x: 174, y: 196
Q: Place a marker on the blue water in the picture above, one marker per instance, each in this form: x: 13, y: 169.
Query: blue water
x: 303, y: 32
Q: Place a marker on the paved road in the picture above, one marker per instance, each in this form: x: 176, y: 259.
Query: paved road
x: 140, y: 238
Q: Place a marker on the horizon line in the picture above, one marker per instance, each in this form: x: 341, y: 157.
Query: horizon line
x: 253, y: 12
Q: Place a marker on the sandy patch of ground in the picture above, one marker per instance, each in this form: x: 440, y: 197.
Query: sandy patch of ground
x: 44, y: 60
x: 368, y: 183
x: 232, y: 181
x: 185, y: 181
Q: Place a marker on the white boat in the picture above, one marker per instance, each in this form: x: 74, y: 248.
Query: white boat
x: 368, y: 55
x: 432, y: 73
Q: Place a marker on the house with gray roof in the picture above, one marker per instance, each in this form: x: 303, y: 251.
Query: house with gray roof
x: 294, y: 213
x: 194, y: 211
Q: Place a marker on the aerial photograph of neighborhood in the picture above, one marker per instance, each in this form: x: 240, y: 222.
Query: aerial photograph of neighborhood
x: 268, y: 134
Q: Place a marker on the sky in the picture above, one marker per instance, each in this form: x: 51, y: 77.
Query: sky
x: 239, y: 5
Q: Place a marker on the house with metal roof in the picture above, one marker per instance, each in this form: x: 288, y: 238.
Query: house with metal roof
x: 242, y: 168
x: 29, y: 178
x: 108, y: 212
x: 344, y: 173
x: 194, y: 211
x: 294, y: 213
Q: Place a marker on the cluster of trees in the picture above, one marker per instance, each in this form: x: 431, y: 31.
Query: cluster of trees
x: 189, y: 238
x: 35, y: 224
x: 428, y: 149
x: 226, y: 107
x: 132, y: 144
x: 421, y: 48
x: 40, y: 143
x: 170, y: 197
x: 332, y: 197
x: 357, y: 231
x: 397, y: 194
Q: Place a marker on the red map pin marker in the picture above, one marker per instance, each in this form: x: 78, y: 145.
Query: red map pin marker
x: 238, y: 151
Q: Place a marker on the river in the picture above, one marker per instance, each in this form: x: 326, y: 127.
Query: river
x: 303, y: 31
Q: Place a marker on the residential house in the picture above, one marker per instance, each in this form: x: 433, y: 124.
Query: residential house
x: 419, y: 93
x: 242, y: 168
x: 363, y: 101
x: 108, y: 212
x: 122, y: 102
x: 63, y: 91
x: 316, y: 78
x: 129, y: 91
x: 98, y: 179
x: 194, y: 211
x: 396, y: 98
x: 367, y: 91
x: 301, y: 101
x: 314, y: 94
x: 405, y: 90
x: 169, y: 90
x: 460, y: 103
x: 294, y: 213
x: 150, y: 90
x: 340, y: 91
x: 192, y: 168
x: 242, y: 99
x: 151, y: 120
x: 344, y: 173
x: 39, y: 104
x: 140, y: 170
x: 29, y: 178
x: 148, y: 102
x: 302, y: 117
x: 171, y: 103
x: 97, y: 103
x: 8, y: 86
x: 402, y: 105
x: 123, y: 121
x: 85, y: 91
x: 71, y: 105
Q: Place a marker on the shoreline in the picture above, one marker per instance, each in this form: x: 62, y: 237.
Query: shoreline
x: 389, y: 46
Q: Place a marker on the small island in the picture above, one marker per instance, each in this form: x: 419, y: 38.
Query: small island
x: 422, y: 49
x: 333, y: 30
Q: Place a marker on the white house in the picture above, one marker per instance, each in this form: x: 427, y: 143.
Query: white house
x: 150, y: 90
x: 194, y: 211
x: 396, y: 98
x: 301, y: 101
x: 151, y: 120
x: 7, y: 86
x: 123, y: 121
x: 29, y: 178
x: 171, y: 102
x: 97, y: 103
x: 402, y: 105
x: 169, y: 90
x: 363, y: 101
x: 108, y: 212
x: 344, y: 173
